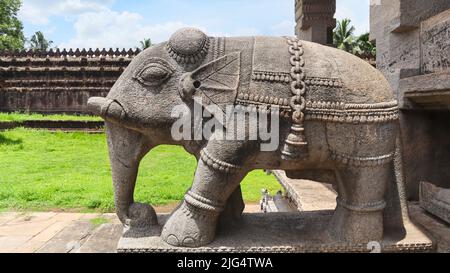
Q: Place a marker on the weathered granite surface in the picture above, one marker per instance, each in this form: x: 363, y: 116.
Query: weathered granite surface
x: 429, y: 91
x: 434, y: 227
x: 412, y: 38
x: 331, y: 120
x: 301, y: 232
x: 435, y: 39
x: 58, y: 81
x: 435, y: 200
x: 307, y: 195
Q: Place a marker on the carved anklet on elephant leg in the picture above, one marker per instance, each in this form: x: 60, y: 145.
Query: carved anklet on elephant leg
x: 194, y: 223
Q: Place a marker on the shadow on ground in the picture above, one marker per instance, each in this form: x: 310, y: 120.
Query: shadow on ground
x: 8, y: 141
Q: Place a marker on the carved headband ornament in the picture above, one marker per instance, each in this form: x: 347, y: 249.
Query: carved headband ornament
x: 188, y: 46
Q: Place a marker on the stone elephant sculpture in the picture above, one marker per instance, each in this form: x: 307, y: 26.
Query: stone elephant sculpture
x: 338, y: 122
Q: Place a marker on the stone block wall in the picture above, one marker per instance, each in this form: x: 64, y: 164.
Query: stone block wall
x: 413, y: 52
x: 58, y: 81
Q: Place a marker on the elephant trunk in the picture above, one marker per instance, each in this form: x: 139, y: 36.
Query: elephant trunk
x: 126, y: 149
x: 108, y: 109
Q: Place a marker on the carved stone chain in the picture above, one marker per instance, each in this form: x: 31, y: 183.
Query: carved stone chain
x: 296, y: 146
x: 298, y: 88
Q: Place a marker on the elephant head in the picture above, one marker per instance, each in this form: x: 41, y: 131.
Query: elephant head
x: 138, y: 109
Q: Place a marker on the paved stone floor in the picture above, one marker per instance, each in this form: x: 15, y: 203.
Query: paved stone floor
x: 53, y: 232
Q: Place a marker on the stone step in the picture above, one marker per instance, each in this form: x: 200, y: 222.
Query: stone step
x: 435, y: 200
x: 307, y: 195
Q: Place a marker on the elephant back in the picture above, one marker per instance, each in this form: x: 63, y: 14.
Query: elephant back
x: 337, y: 76
x: 338, y: 86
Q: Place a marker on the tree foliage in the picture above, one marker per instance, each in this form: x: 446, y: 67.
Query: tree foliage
x: 11, y: 28
x: 344, y: 38
x: 343, y: 35
x: 146, y: 43
x: 363, y: 46
x: 39, y: 42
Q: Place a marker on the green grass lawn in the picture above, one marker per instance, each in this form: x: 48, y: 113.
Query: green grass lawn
x: 31, y: 116
x: 41, y: 170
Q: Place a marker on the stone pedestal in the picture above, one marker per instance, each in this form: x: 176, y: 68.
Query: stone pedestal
x: 299, y: 232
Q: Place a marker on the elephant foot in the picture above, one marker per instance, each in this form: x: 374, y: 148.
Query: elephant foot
x: 356, y: 227
x: 141, y: 221
x: 190, y: 226
x: 142, y: 216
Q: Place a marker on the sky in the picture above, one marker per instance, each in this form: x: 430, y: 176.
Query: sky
x: 123, y: 23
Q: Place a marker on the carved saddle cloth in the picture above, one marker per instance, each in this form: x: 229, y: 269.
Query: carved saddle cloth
x: 260, y: 70
x: 270, y: 75
x: 327, y: 96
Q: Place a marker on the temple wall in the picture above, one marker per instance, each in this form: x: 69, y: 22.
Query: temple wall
x: 413, y: 52
x: 58, y: 81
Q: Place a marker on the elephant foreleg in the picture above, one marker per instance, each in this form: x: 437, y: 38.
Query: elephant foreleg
x: 194, y: 223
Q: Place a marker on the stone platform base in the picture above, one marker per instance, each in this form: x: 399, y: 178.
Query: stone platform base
x: 299, y: 232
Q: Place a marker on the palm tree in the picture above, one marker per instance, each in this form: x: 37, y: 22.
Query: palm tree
x: 363, y: 46
x: 343, y: 35
x: 39, y: 42
x: 146, y: 43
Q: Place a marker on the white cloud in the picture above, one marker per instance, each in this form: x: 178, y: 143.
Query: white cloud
x: 117, y: 29
x: 357, y: 11
x: 38, y: 12
x: 95, y: 24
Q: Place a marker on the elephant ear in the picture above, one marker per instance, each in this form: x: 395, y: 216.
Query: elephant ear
x: 216, y: 83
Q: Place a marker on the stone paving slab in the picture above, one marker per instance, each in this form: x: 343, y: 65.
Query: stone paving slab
x: 46, y: 231
x: 69, y: 239
x: 37, y: 241
x: 103, y: 240
x: 53, y: 232
x: 24, y: 229
x: 6, y: 217
x: 8, y: 244
x: 35, y: 217
x: 78, y: 233
x: 432, y: 225
x: 308, y: 195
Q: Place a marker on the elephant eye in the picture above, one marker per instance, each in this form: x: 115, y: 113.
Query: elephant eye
x: 153, y: 74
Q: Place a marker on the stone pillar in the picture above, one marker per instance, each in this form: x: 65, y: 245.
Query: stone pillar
x: 413, y: 52
x: 315, y: 20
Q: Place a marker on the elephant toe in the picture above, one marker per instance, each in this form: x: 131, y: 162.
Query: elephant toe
x: 172, y: 240
x: 189, y: 242
x: 189, y: 229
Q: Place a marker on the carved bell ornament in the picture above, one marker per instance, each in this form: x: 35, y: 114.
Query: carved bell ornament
x: 188, y: 46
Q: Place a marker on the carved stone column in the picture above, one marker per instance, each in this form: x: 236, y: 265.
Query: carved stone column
x: 315, y: 20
